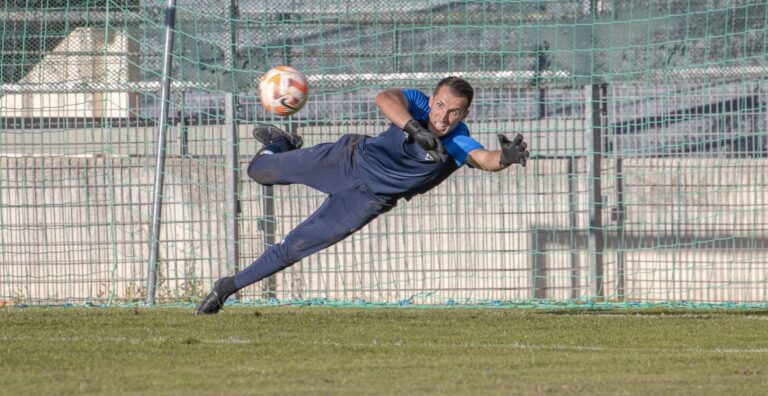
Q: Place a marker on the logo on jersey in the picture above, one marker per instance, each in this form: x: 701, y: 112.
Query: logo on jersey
x: 426, y: 157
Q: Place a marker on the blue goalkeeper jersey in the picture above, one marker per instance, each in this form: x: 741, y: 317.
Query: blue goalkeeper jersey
x: 390, y: 164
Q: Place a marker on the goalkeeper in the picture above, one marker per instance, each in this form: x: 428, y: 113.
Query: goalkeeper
x: 364, y: 176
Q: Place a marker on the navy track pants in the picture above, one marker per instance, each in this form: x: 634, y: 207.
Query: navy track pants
x: 329, y: 168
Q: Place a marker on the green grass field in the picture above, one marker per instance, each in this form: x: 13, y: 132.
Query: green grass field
x: 323, y: 350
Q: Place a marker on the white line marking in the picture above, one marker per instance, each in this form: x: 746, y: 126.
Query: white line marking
x: 378, y: 344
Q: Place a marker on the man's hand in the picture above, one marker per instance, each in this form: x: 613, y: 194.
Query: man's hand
x: 513, y: 152
x: 426, y: 140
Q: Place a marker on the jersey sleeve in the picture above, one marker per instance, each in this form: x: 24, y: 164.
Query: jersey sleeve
x: 460, y: 146
x: 418, y: 104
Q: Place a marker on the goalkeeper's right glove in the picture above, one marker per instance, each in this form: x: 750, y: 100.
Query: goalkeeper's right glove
x: 426, y: 140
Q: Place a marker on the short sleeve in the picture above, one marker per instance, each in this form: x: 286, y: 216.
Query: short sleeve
x: 418, y: 104
x: 459, y: 146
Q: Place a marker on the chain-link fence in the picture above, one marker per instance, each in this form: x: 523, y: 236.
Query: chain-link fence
x: 646, y: 122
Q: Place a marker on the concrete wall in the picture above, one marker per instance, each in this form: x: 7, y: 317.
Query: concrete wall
x: 104, y: 55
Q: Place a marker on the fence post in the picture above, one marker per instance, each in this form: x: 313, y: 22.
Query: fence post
x: 170, y: 22
x: 233, y: 148
x: 596, y: 108
x: 619, y: 218
x: 595, y: 96
x: 573, y: 207
x: 267, y: 226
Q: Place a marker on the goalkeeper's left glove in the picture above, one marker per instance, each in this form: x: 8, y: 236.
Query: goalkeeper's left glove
x: 513, y: 152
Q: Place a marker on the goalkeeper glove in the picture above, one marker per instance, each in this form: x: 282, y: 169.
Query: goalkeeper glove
x: 426, y: 140
x: 513, y: 152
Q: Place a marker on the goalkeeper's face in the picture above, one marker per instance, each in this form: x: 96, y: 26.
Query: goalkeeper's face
x: 446, y: 110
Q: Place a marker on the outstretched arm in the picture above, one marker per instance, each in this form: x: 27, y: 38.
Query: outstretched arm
x: 394, y: 106
x: 485, y: 160
x: 512, y: 152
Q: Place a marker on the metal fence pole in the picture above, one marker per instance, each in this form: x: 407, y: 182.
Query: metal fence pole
x: 573, y: 207
x: 621, y: 230
x: 267, y: 226
x: 233, y: 166
x: 269, y: 222
x: 170, y: 22
x: 595, y: 96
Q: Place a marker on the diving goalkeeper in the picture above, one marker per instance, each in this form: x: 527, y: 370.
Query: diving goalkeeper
x: 365, y: 176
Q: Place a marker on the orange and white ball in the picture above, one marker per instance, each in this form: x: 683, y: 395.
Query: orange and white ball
x: 283, y: 90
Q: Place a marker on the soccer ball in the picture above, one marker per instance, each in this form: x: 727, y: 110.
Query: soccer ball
x: 283, y: 90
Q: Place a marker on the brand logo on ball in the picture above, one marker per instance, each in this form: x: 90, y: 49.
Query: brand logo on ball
x: 284, y: 102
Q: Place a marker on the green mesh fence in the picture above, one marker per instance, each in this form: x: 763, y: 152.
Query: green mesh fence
x: 646, y: 120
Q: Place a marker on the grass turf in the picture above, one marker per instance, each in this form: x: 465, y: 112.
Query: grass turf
x: 323, y: 350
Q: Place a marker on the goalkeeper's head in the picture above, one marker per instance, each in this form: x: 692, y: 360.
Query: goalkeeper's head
x: 449, y: 104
